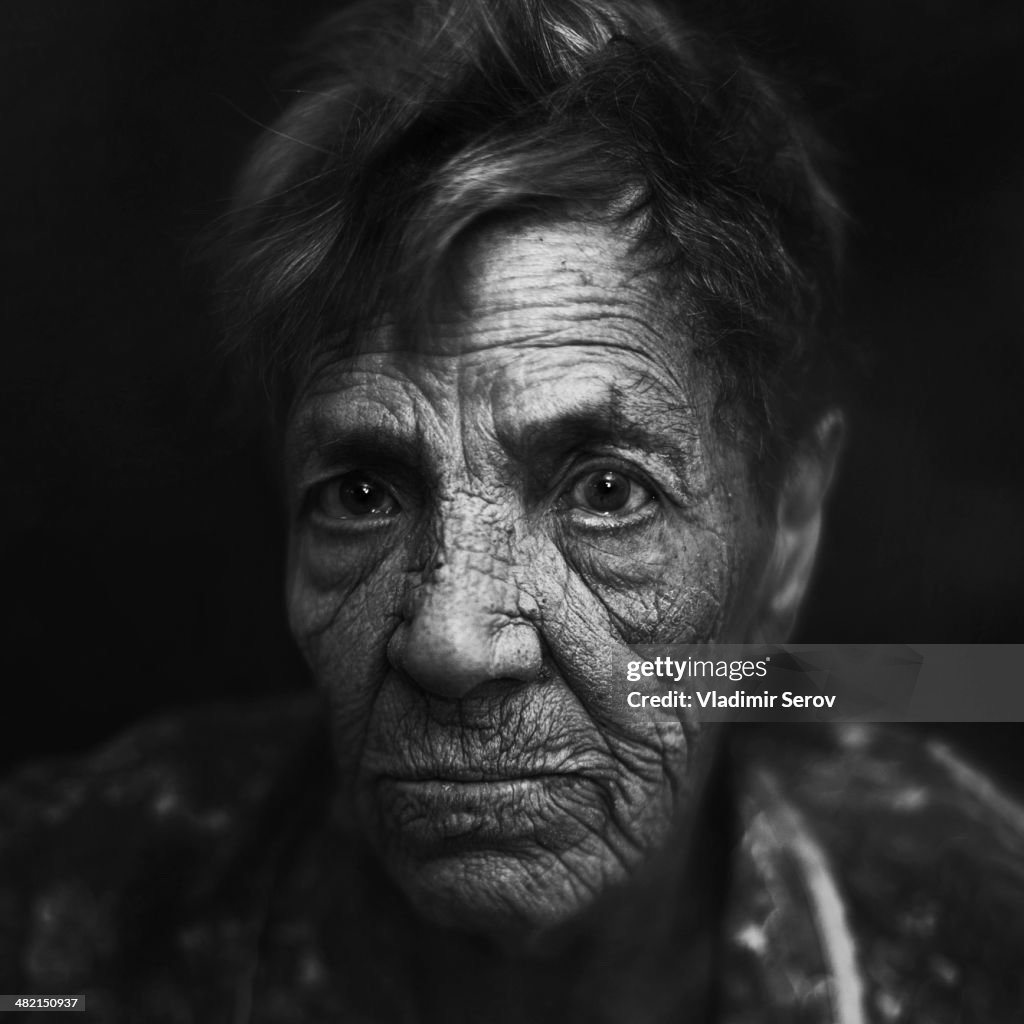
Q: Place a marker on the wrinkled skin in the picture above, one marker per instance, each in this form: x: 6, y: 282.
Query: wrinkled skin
x: 461, y: 593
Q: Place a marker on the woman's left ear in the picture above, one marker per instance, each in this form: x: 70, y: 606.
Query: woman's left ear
x: 798, y: 512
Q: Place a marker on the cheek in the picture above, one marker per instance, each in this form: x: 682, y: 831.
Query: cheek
x: 666, y: 584
x: 673, y: 582
x: 343, y: 603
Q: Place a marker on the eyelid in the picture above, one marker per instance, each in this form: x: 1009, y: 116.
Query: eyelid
x: 336, y: 460
x: 628, y: 466
x: 589, y: 520
x: 311, y: 491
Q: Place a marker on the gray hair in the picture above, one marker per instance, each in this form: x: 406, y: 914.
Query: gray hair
x: 415, y: 122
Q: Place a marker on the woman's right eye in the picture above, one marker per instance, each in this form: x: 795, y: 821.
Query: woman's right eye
x: 354, y: 495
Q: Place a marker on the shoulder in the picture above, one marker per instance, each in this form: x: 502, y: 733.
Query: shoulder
x: 907, y: 850
x: 141, y: 832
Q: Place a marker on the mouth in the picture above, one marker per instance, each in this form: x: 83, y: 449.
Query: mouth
x: 469, y: 808
x: 465, y: 774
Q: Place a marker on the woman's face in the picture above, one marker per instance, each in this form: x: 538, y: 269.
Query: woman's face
x: 480, y: 529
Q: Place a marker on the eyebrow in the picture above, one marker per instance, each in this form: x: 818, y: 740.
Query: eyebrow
x: 607, y: 420
x: 578, y: 429
x: 326, y: 441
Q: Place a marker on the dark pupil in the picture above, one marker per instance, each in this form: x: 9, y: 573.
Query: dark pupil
x: 359, y: 496
x: 608, y: 492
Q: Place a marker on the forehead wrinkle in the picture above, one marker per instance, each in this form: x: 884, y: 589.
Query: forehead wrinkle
x: 436, y: 409
x: 549, y: 283
x: 573, y: 301
x: 657, y: 423
x: 473, y: 420
x: 626, y: 326
x: 355, y: 402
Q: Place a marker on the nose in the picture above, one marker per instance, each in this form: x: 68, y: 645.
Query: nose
x: 465, y: 630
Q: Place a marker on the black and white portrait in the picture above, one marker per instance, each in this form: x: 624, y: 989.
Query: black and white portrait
x: 381, y: 378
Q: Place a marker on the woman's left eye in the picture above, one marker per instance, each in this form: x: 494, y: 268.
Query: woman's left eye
x: 608, y: 492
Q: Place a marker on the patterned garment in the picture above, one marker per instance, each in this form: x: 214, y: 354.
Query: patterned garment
x: 177, y: 877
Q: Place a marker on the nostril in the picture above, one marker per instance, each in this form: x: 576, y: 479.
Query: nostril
x: 517, y: 653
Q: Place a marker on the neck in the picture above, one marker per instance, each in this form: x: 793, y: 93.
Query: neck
x: 643, y: 954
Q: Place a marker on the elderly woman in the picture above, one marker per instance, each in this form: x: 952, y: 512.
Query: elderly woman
x: 535, y: 290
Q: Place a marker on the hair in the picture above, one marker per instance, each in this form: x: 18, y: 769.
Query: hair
x: 416, y: 122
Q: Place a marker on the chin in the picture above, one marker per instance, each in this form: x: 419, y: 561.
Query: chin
x: 508, y: 897
x: 506, y: 858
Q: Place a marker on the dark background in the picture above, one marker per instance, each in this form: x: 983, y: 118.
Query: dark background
x: 140, y: 542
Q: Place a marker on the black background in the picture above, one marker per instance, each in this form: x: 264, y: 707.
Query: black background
x: 140, y: 542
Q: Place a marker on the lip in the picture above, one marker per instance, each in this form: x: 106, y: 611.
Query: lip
x: 460, y: 775
x: 468, y: 788
x: 469, y: 792
x: 444, y: 809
